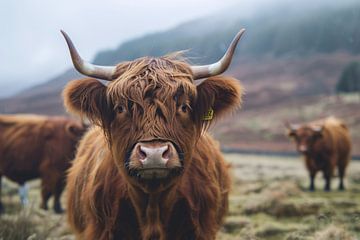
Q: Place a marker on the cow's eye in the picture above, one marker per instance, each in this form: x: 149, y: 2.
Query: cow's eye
x: 184, y: 108
x: 120, y: 109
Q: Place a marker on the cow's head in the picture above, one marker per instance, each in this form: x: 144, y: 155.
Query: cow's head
x: 75, y: 129
x: 61, y: 138
x: 152, y: 112
x: 305, y: 136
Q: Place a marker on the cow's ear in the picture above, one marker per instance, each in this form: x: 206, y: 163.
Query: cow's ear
x: 87, y: 97
x: 217, y: 96
x: 291, y: 129
x: 74, y: 130
x: 291, y: 133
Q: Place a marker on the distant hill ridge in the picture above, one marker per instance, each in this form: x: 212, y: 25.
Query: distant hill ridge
x: 284, y: 33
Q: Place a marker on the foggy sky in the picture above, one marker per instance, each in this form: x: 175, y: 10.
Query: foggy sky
x: 32, y: 49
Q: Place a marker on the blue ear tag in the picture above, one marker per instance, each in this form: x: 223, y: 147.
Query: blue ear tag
x: 209, y: 115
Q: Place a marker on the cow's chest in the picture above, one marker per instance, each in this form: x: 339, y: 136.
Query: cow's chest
x: 155, y: 222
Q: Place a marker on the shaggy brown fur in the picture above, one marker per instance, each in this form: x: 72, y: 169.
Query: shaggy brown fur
x: 151, y: 99
x: 35, y: 146
x: 326, y: 145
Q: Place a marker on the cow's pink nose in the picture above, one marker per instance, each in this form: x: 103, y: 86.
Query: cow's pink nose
x: 154, y: 155
x: 302, y: 148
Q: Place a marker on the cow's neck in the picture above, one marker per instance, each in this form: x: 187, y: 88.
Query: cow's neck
x: 153, y: 210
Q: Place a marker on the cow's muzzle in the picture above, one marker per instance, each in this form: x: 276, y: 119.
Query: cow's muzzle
x: 302, y: 149
x: 154, y: 159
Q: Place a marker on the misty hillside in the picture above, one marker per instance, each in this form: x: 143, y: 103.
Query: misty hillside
x: 279, y: 33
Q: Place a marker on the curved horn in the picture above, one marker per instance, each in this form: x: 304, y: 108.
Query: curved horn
x: 220, y: 66
x: 294, y: 127
x: 317, y: 128
x: 88, y: 69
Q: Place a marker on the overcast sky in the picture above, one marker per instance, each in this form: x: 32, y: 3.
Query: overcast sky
x: 32, y: 49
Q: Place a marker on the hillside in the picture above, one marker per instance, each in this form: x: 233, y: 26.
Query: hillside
x: 280, y: 33
x: 286, y: 62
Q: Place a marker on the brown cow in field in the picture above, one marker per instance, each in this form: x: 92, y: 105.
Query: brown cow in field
x: 326, y: 145
x: 34, y: 146
x: 149, y: 170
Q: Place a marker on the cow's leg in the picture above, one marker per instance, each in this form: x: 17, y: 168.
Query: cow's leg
x: 57, y: 195
x: 312, y: 180
x: 327, y: 177
x: 45, y: 195
x: 1, y: 205
x: 24, y: 194
x: 341, y: 170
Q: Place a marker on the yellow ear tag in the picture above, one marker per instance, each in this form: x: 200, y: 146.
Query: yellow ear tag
x: 209, y: 115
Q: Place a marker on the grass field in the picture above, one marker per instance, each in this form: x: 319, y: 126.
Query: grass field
x: 269, y: 200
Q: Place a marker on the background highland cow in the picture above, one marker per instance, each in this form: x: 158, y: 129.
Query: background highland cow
x: 34, y: 146
x: 326, y: 146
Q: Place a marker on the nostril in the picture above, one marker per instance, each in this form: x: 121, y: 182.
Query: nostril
x: 142, y: 153
x: 154, y: 153
x: 166, y: 153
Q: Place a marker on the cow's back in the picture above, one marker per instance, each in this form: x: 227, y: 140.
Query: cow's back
x: 21, y: 145
x: 337, y: 136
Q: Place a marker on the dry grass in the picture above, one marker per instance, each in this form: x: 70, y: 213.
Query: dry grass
x: 26, y: 224
x: 334, y: 233
x: 268, y: 201
x: 270, y: 193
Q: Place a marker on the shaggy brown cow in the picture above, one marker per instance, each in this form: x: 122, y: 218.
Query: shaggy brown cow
x: 149, y: 170
x: 34, y: 146
x: 325, y: 144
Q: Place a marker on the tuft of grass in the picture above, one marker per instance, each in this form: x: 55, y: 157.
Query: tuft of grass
x: 235, y: 224
x: 344, y: 203
x: 271, y: 229
x: 277, y: 201
x: 18, y: 228
x: 333, y: 232
x: 23, y: 226
x: 298, y: 235
x: 247, y: 234
x: 270, y: 197
x: 355, y: 178
x: 290, y: 208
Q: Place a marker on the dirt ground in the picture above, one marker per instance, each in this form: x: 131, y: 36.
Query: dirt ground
x: 269, y: 200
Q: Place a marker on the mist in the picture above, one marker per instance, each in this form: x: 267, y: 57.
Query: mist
x: 32, y: 49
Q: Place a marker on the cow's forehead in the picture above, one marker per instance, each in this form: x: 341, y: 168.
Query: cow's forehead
x: 152, y: 78
x: 305, y: 131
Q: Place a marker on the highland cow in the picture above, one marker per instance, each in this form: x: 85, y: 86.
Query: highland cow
x: 325, y: 145
x: 34, y: 146
x: 148, y: 169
